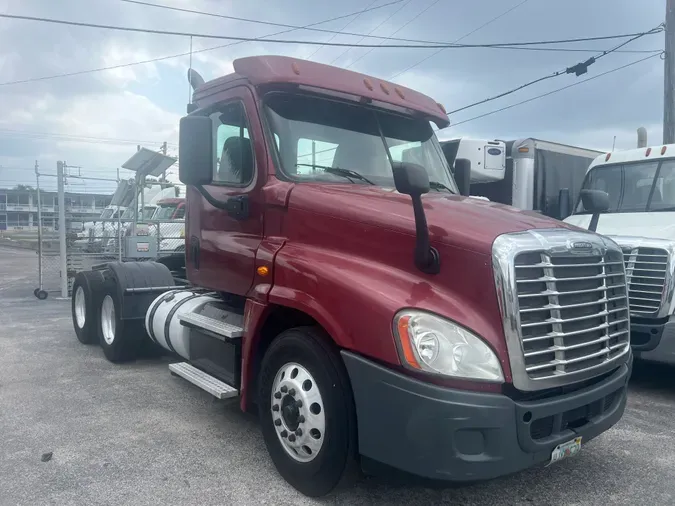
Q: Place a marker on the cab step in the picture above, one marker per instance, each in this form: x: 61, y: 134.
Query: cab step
x: 206, y: 382
x: 218, y: 328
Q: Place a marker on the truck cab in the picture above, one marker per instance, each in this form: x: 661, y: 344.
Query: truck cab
x: 344, y: 290
x: 640, y: 217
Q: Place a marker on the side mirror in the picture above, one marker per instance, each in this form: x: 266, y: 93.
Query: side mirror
x: 195, y: 155
x: 563, y: 203
x: 595, y: 201
x: 412, y: 179
x: 463, y: 176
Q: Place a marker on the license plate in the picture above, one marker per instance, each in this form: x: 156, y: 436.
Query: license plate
x: 566, y: 450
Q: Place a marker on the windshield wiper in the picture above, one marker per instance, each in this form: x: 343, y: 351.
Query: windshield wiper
x: 349, y: 174
x: 438, y: 186
x: 660, y: 209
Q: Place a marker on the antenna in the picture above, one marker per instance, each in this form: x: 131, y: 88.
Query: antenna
x: 613, y: 143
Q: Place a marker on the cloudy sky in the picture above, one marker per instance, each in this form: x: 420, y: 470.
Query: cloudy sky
x: 95, y: 120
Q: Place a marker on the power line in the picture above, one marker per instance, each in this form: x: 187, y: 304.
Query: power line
x: 372, y: 31
x: 179, y: 55
x: 554, y: 91
x: 457, y: 40
x: 401, y: 28
x: 284, y: 25
x: 578, y: 69
x: 342, y: 31
x: 432, y: 45
x: 11, y: 132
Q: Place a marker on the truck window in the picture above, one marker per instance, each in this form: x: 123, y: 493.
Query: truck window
x: 635, y: 187
x: 350, y: 137
x: 234, y: 152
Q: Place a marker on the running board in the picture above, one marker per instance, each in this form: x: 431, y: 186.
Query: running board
x: 219, y: 328
x: 203, y: 380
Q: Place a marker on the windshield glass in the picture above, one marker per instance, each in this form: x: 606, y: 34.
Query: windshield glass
x: 166, y: 212
x: 314, y: 135
x: 107, y: 214
x: 128, y: 214
x: 634, y: 187
x: 148, y: 211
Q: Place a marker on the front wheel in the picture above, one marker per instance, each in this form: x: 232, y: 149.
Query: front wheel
x: 307, y: 412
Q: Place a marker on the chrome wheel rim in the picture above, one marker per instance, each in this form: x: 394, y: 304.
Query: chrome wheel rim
x: 80, y: 308
x: 298, y: 412
x: 108, y: 319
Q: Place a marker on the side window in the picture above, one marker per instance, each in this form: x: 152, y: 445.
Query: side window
x: 234, y: 151
x: 180, y: 214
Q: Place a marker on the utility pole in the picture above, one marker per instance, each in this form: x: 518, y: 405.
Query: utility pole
x: 60, y: 176
x: 164, y: 153
x: 669, y: 76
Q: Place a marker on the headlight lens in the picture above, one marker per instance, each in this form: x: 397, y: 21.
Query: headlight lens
x: 433, y: 344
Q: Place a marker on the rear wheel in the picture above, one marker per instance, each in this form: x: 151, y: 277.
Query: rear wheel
x: 87, y: 288
x: 120, y: 339
x: 307, y: 412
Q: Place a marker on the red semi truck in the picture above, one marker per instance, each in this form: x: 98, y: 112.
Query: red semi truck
x: 341, y: 286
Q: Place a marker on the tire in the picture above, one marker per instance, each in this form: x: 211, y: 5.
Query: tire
x: 120, y: 339
x: 35, y: 292
x: 42, y: 295
x: 85, y: 301
x: 332, y: 462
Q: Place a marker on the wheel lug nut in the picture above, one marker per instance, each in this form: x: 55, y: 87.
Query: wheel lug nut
x: 275, y: 407
x: 291, y: 392
x: 298, y: 432
x: 291, y: 438
x: 284, y: 433
x: 284, y: 389
x: 298, y: 403
x: 301, y: 419
x: 277, y: 422
x: 277, y: 395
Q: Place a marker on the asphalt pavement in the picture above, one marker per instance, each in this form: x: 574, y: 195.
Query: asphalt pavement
x: 78, y: 430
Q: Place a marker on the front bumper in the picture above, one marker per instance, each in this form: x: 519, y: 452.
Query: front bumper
x: 654, y: 342
x: 456, y: 435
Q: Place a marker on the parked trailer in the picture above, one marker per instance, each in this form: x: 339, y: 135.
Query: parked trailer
x: 435, y: 334
x: 529, y: 174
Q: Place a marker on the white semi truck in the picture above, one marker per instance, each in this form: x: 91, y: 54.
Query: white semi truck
x: 640, y: 217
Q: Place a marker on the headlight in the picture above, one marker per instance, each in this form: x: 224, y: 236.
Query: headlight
x: 433, y: 344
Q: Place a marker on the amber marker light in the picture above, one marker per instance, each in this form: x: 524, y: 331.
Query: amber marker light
x: 406, y: 345
x: 263, y: 270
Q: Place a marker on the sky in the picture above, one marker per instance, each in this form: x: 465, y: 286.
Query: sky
x: 94, y: 121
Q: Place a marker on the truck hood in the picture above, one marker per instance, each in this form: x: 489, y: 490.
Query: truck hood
x: 463, y: 222
x: 657, y: 225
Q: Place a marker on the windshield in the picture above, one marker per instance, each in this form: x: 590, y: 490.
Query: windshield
x: 634, y: 187
x: 148, y: 211
x: 166, y: 212
x: 128, y: 214
x: 314, y: 135
x: 107, y: 214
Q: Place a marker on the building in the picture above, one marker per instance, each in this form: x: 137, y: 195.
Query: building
x: 19, y: 210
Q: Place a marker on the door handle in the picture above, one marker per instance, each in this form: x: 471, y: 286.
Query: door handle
x: 194, y: 251
x: 237, y: 207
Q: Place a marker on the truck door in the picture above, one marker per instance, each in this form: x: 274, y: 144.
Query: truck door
x: 225, y: 236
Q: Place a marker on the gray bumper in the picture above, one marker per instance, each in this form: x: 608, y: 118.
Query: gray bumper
x: 455, y: 435
x: 662, y: 346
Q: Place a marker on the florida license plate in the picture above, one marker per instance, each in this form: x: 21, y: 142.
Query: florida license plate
x: 566, y: 450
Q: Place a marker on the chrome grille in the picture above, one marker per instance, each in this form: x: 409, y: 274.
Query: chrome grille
x: 646, y: 270
x: 572, y: 308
